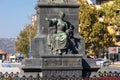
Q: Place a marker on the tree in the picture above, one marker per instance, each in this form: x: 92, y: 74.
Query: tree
x: 112, y: 15
x: 23, y: 40
x: 94, y: 31
x: 116, y: 9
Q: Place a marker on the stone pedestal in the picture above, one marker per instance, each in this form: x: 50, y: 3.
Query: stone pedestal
x: 89, y: 67
x: 48, y: 64
x: 64, y: 66
x: 47, y: 9
x: 32, y: 65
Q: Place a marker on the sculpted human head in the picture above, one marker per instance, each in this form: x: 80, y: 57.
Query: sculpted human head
x: 61, y: 15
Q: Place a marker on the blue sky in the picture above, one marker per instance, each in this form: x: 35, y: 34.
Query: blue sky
x: 14, y: 15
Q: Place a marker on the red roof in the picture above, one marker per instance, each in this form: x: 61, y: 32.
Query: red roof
x: 2, y: 52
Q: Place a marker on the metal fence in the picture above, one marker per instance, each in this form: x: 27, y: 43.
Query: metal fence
x: 12, y: 76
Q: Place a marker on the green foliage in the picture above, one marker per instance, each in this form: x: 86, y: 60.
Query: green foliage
x: 94, y: 32
x: 116, y: 7
x: 23, y: 40
x: 112, y: 15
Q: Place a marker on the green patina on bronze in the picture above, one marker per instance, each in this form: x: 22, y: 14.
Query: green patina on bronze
x: 58, y: 39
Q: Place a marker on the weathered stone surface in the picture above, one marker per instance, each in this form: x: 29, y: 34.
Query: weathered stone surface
x: 39, y: 46
x: 89, y: 67
x: 62, y: 73
x: 58, y: 1
x: 68, y: 65
x: 32, y: 62
x: 67, y: 61
x: 39, y: 43
x: 89, y: 63
x: 59, y: 65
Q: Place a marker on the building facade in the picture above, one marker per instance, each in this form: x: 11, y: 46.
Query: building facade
x: 2, y: 55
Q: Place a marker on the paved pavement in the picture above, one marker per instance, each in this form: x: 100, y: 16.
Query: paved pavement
x: 115, y: 64
x: 10, y: 67
x: 113, y: 67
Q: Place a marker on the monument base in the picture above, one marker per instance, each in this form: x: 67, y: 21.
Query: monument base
x: 89, y: 67
x: 32, y: 65
x: 67, y: 65
x: 63, y: 66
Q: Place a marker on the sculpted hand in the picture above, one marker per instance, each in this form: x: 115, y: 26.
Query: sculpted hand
x: 46, y: 19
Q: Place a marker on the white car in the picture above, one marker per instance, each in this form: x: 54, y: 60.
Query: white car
x: 103, y: 62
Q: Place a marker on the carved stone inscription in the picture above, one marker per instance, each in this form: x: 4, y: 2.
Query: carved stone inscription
x: 61, y: 62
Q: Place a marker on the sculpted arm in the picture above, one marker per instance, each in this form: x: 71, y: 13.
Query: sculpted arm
x: 53, y: 20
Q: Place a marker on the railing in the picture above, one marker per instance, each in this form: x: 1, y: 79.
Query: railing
x: 12, y: 76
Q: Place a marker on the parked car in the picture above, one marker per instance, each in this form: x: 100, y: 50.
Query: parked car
x: 7, y: 63
x: 103, y: 62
